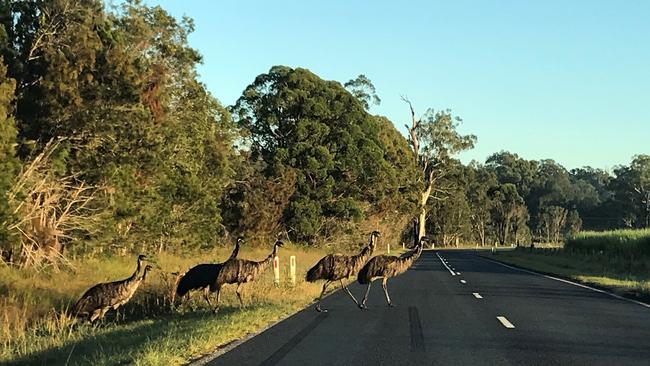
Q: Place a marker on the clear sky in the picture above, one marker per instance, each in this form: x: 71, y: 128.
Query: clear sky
x: 566, y: 80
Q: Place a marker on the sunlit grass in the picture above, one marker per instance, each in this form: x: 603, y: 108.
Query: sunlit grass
x: 628, y: 242
x: 35, y: 329
x: 620, y: 274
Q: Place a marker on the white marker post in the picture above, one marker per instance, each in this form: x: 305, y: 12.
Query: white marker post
x: 292, y: 269
x: 388, y: 248
x: 276, y: 270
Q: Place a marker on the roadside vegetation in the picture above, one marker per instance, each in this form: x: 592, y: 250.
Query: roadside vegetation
x: 617, y: 260
x: 36, y: 329
x: 110, y: 146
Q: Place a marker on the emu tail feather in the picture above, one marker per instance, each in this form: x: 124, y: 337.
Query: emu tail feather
x: 184, y: 286
x: 198, y: 277
x: 364, y: 275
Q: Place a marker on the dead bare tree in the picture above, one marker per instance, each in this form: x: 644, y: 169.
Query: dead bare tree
x: 433, y: 139
x: 49, y: 210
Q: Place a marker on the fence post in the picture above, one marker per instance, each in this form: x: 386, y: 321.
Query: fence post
x: 276, y: 270
x: 292, y: 269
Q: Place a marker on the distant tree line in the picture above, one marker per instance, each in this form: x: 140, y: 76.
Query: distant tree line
x: 109, y: 142
x: 510, y: 200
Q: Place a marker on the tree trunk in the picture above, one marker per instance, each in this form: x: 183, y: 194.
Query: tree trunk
x: 424, y: 197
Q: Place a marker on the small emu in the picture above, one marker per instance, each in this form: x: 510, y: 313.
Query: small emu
x: 336, y: 267
x: 385, y: 267
x: 203, y: 276
x: 102, y: 297
x: 240, y: 271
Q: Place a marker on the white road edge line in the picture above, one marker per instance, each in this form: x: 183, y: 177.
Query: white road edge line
x: 571, y: 283
x: 445, y: 264
x: 505, y: 322
x: 477, y: 295
x: 463, y: 281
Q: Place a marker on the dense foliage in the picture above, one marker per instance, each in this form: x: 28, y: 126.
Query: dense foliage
x: 109, y: 142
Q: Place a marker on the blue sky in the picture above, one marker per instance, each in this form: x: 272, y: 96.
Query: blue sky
x: 566, y: 80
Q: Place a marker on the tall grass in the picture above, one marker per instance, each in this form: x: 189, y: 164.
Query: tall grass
x: 617, y: 243
x: 35, y: 327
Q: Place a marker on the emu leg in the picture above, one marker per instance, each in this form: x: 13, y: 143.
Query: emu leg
x: 365, y: 298
x: 349, y: 293
x: 216, y: 308
x: 318, y: 308
x: 238, y: 291
x: 383, y: 284
x: 94, y: 315
x: 206, y: 296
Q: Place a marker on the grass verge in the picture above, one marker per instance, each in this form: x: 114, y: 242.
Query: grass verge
x: 35, y: 329
x: 625, y: 277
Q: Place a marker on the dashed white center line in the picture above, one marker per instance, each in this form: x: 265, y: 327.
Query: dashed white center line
x: 458, y: 273
x: 506, y: 323
x: 463, y: 281
x: 477, y: 295
x: 445, y: 264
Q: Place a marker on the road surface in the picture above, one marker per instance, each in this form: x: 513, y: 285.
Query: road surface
x: 483, y: 314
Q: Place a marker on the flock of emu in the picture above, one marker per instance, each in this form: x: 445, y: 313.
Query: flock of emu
x: 210, y: 277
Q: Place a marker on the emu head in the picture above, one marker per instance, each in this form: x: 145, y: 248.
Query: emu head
x: 146, y: 269
x: 240, y: 240
x: 278, y: 243
x: 142, y: 257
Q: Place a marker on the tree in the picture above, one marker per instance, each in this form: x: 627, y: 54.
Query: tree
x: 121, y: 90
x: 449, y: 217
x: 479, y: 200
x: 573, y: 223
x: 434, y: 140
x: 364, y: 90
x: 632, y: 190
x: 291, y: 118
x: 551, y: 221
x: 9, y: 163
x: 506, y: 204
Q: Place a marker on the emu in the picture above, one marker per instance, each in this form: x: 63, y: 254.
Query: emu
x: 385, y: 267
x: 241, y: 271
x: 203, y: 276
x: 336, y: 267
x: 102, y: 297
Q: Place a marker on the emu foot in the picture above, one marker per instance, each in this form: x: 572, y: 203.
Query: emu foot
x: 320, y: 310
x: 363, y: 307
x: 391, y: 305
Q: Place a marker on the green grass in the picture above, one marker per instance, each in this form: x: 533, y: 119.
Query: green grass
x: 34, y: 327
x: 625, y: 276
x: 628, y: 242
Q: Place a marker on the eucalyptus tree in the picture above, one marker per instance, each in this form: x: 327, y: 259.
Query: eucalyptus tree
x: 507, y: 207
x: 632, y: 190
x: 434, y: 140
x: 363, y: 89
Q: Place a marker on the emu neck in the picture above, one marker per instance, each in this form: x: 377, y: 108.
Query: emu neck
x: 366, y: 252
x: 411, y: 257
x: 235, y: 251
x: 137, y: 270
x: 269, y: 259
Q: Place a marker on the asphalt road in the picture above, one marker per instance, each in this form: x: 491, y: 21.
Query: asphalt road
x: 439, y: 320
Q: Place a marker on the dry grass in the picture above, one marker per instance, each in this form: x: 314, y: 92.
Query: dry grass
x: 35, y: 329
